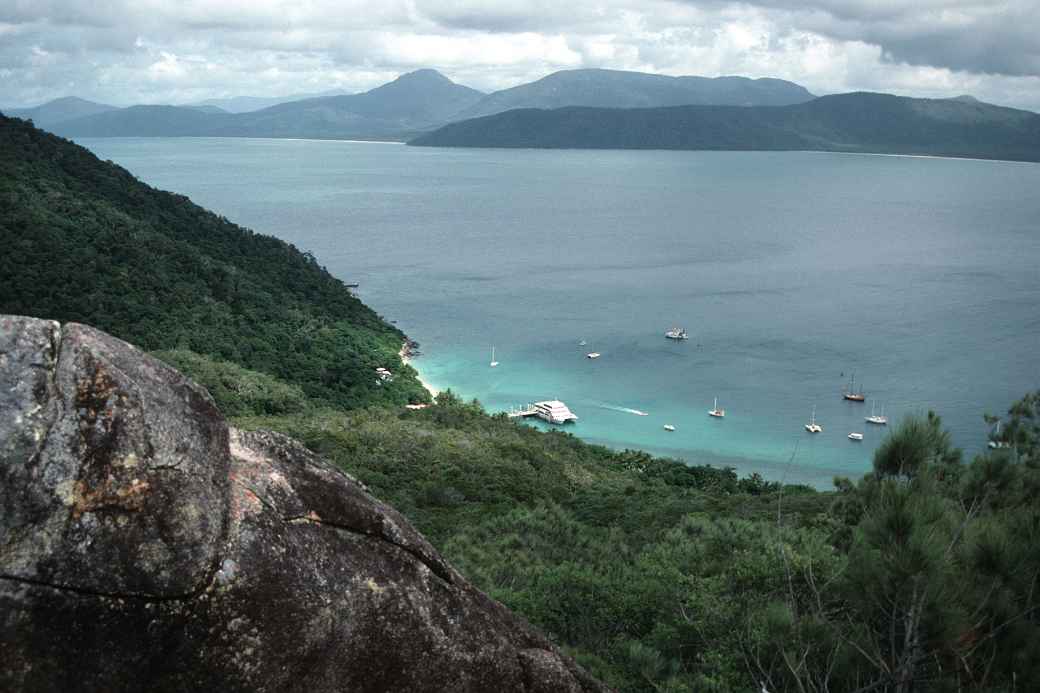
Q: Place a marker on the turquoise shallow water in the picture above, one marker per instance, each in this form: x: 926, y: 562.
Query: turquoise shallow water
x: 789, y: 270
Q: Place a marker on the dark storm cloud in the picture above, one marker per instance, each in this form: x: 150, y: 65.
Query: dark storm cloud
x: 1001, y: 37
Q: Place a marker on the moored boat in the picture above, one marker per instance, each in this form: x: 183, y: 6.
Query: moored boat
x: 855, y: 436
x: 812, y: 426
x: 554, y: 411
x: 995, y: 442
x: 676, y: 333
x: 877, y: 419
x: 851, y: 394
x: 715, y: 411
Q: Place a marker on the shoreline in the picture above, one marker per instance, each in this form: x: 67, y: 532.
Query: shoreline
x: 406, y: 358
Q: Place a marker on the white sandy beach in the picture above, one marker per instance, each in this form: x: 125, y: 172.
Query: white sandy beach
x: 406, y: 359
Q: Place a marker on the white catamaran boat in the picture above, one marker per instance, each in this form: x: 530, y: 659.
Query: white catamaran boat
x: 875, y: 418
x: 676, y: 333
x: 554, y: 411
x: 493, y: 361
x: 715, y: 411
x: 812, y: 426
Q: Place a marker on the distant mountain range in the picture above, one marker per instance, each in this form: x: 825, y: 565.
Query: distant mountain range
x: 617, y: 89
x: 415, y: 102
x: 588, y: 109
x: 411, y: 103
x: 856, y: 122
x: 245, y: 104
x: 58, y: 110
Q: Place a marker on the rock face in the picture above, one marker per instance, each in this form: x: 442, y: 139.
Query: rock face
x: 145, y: 545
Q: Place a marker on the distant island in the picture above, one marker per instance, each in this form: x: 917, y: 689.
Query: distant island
x: 856, y: 122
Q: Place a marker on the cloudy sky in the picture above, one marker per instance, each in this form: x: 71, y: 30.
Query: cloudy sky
x: 179, y: 51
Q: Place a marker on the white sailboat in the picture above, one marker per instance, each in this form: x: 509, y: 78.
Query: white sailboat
x: 995, y: 442
x: 493, y: 361
x: 715, y: 411
x: 812, y: 426
x: 875, y: 418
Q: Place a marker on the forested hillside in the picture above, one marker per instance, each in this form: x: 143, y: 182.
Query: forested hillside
x: 655, y: 574
x: 84, y: 241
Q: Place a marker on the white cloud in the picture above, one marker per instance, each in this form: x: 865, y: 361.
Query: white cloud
x: 153, y: 51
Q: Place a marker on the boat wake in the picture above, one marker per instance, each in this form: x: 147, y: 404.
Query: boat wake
x: 623, y: 410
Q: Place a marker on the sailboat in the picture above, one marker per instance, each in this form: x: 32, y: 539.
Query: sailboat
x: 493, y: 361
x: 812, y: 426
x: 715, y: 411
x: 851, y: 394
x: 874, y: 418
x: 996, y: 443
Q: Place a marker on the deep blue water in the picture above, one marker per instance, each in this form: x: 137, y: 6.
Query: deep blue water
x: 789, y: 270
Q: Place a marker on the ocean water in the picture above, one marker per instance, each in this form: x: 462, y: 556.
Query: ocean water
x: 790, y: 271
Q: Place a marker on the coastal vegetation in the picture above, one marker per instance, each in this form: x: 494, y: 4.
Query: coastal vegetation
x: 656, y: 575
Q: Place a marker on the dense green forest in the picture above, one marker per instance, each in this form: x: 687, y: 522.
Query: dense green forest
x: 83, y: 240
x: 856, y: 122
x: 656, y: 575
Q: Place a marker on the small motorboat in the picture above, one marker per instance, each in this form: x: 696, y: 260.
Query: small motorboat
x: 676, y: 333
x: 593, y: 355
x: 582, y: 343
x: 669, y: 427
x: 855, y: 436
